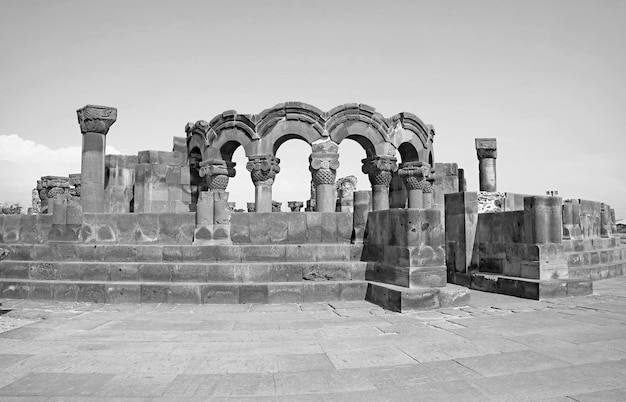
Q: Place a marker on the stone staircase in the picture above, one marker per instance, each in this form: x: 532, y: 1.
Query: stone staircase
x: 183, y: 273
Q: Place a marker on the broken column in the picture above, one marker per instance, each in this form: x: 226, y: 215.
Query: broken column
x: 263, y: 170
x: 213, y: 204
x: 486, y: 150
x: 414, y: 175
x: 379, y: 169
x: 323, y: 164
x: 94, y: 125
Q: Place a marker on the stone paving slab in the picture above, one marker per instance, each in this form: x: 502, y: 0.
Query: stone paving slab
x: 497, y: 348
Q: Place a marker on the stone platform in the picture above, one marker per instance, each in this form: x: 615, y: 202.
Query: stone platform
x: 494, y: 348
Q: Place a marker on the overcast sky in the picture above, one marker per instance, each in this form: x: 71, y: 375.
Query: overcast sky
x: 547, y: 78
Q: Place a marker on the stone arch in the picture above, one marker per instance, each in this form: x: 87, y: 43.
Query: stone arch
x: 362, y: 124
x: 286, y: 121
x: 227, y: 132
x: 411, y: 137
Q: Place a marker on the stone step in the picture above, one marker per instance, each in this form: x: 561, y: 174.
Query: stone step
x: 165, y: 253
x: 402, y: 299
x: 535, y: 289
x: 184, y: 272
x: 597, y: 272
x: 182, y: 292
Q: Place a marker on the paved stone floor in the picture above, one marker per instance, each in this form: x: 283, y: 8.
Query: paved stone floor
x: 497, y: 348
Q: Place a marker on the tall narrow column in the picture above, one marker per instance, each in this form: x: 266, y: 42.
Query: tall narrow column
x: 414, y: 175
x: 486, y: 149
x: 94, y: 125
x: 323, y: 164
x: 263, y: 170
x: 379, y: 169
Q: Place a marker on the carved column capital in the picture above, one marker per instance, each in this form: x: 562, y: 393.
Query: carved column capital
x: 52, y: 186
x: 323, y: 167
x: 217, y: 173
x: 263, y: 169
x: 414, y: 175
x: 486, y: 148
x: 379, y: 169
x: 96, y: 119
x: 295, y: 206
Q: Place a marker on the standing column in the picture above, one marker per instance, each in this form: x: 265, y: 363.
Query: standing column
x: 94, y: 125
x: 323, y: 164
x: 263, y: 169
x: 414, y: 175
x: 486, y: 150
x: 379, y: 169
x: 216, y: 173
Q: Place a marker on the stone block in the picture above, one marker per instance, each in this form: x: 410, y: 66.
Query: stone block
x: 579, y: 287
x: 69, y: 271
x: 154, y: 293
x: 106, y: 228
x: 279, y: 227
x: 28, y: 230
x: 314, y: 227
x: 426, y: 256
x: 512, y: 267
x: 356, y: 252
x: 329, y: 227
x: 40, y: 291
x: 321, y: 291
x: 227, y: 253
x: 257, y: 293
x: 185, y: 294
x: 332, y: 252
x: 285, y: 293
x: 189, y: 273
x: 301, y: 252
x: 286, y: 272
x: 260, y: 227
x: 253, y: 253
x: 296, y: 227
x: 172, y: 253
x: 255, y: 272
x: 126, y: 228
x: 91, y: 293
x: 120, y: 253
x: 168, y: 228
x: 65, y: 292
x: 91, y: 252
x: 173, y: 175
x: 11, y: 228
x: 14, y: 290
x: 44, y: 224
x: 427, y: 277
x: 20, y: 252
x: 344, y: 227
x: 352, y: 290
x: 121, y: 272
x: 155, y: 272
x: 14, y: 269
x: 220, y: 294
x: 123, y: 293
x: 240, y: 228
x: 149, y: 253
x: 43, y: 271
x: 530, y: 269
x: 147, y: 231
x: 95, y: 272
x: 203, y: 234
x: 327, y: 271
x: 222, y: 273
x: 221, y: 233
x: 88, y: 229
x: 357, y: 271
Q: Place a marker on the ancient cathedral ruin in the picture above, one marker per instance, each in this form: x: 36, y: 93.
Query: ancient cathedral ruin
x: 158, y: 226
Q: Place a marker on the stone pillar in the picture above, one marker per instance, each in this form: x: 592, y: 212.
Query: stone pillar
x: 216, y: 173
x: 486, y: 150
x: 605, y: 220
x: 414, y: 175
x: 379, y: 169
x: 94, y: 125
x: 462, y: 181
x: 362, y: 207
x: 323, y: 164
x: 295, y: 206
x: 543, y: 219
x: 263, y: 170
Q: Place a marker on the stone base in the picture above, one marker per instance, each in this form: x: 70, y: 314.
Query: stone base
x: 535, y: 289
x: 401, y: 299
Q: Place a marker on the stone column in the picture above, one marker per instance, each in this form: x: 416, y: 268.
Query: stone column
x: 263, y: 170
x: 462, y: 181
x: 486, y: 150
x: 414, y: 175
x: 94, y: 125
x: 379, y: 169
x: 323, y: 164
x: 543, y: 219
x: 216, y: 172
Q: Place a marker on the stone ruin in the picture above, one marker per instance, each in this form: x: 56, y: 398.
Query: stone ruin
x: 159, y: 227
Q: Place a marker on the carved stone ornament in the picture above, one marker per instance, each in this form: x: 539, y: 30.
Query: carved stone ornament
x: 414, y: 175
x: 323, y: 168
x: 217, y: 173
x: 379, y: 169
x: 263, y: 169
x: 486, y: 148
x: 96, y: 119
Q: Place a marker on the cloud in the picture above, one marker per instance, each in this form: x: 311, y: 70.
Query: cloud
x: 23, y: 162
